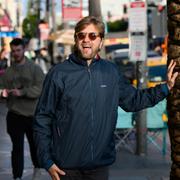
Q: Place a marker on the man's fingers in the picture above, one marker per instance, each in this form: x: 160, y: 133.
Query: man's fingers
x: 57, y: 177
x: 174, y: 76
x: 61, y: 172
x: 55, y: 172
x: 171, y: 77
x: 170, y: 65
x: 171, y: 68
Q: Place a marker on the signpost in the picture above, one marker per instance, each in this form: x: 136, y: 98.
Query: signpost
x: 138, y: 46
x: 138, y: 30
x: 138, y: 53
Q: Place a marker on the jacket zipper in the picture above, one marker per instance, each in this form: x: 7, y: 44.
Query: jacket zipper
x: 59, y: 132
x: 92, y: 114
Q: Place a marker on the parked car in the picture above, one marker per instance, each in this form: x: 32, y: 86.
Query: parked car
x: 156, y: 66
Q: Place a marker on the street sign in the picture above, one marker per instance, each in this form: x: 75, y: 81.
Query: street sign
x: 138, y: 47
x: 157, y: 2
x: 71, y: 10
x: 137, y: 16
x: 138, y: 30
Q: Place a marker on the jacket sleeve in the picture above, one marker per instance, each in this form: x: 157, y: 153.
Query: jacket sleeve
x: 44, y: 117
x: 2, y: 81
x: 34, y: 90
x: 132, y: 99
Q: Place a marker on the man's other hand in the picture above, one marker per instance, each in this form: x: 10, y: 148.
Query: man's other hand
x: 55, y: 172
x: 171, y: 77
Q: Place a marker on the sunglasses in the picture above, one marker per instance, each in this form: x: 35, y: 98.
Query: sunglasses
x: 92, y: 35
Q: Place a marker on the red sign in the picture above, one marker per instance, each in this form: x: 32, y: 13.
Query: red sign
x: 137, y: 4
x: 5, y: 19
x: 138, y: 16
x: 71, y: 10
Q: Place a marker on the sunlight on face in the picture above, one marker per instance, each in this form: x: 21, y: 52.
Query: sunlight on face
x: 88, y: 47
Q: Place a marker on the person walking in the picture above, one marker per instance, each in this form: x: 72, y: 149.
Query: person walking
x: 76, y: 114
x: 21, y: 85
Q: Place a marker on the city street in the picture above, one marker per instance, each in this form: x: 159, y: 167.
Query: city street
x: 127, y: 166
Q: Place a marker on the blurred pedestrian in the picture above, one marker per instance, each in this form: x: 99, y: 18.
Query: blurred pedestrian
x: 3, y: 61
x: 21, y: 85
x: 42, y: 59
x: 76, y: 115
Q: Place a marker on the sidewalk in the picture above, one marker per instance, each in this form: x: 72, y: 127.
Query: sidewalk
x: 128, y: 166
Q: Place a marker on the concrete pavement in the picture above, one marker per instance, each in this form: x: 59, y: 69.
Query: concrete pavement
x: 128, y: 166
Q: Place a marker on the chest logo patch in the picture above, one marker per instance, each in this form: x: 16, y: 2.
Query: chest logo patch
x: 103, y: 85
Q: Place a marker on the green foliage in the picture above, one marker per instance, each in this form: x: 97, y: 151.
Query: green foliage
x: 30, y: 26
x: 117, y: 26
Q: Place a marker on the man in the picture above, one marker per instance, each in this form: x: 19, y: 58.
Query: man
x: 76, y: 115
x: 21, y: 85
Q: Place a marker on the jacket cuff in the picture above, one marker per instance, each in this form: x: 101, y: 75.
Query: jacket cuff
x: 48, y: 164
x: 165, y: 89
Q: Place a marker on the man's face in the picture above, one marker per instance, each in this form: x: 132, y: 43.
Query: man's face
x: 17, y: 53
x: 88, y: 42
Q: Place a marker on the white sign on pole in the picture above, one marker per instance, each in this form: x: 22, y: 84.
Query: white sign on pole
x: 138, y: 30
x: 158, y: 2
x: 138, y: 47
x: 137, y: 16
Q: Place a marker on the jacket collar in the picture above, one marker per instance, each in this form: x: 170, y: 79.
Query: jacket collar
x: 78, y: 60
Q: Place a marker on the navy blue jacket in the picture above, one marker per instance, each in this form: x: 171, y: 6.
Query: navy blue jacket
x: 77, y: 112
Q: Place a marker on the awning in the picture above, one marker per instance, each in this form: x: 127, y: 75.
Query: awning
x: 4, y: 18
x: 9, y: 34
x: 65, y: 36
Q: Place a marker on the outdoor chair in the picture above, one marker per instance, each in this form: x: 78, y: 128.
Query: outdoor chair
x: 125, y: 132
x: 156, y: 127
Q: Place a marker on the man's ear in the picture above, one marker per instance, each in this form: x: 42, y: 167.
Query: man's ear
x: 101, y: 45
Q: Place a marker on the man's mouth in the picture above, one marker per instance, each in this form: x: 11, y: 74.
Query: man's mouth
x: 86, y: 47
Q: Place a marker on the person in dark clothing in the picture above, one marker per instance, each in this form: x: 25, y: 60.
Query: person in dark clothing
x: 21, y: 85
x: 76, y: 114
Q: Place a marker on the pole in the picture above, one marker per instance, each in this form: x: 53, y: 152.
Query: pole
x: 47, y: 11
x: 53, y: 12
x: 38, y: 22
x: 138, y: 53
x: 95, y: 10
x: 54, y: 28
x: 18, y: 15
x: 141, y: 127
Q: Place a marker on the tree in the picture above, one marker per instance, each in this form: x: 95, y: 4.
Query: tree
x: 173, y: 101
x: 95, y: 8
x: 29, y: 26
x: 118, y: 25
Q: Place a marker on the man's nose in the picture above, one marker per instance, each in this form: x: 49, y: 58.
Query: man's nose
x: 86, y: 37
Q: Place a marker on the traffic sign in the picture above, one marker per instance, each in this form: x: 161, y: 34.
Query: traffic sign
x: 137, y: 16
x: 138, y: 47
